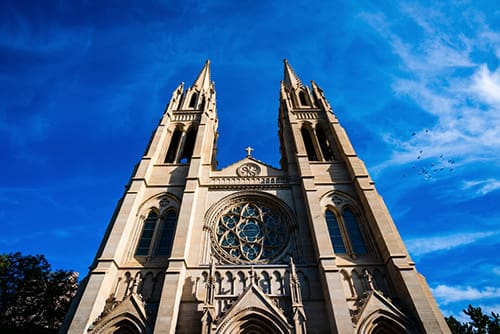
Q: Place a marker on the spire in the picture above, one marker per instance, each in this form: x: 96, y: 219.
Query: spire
x: 291, y: 79
x: 202, y: 82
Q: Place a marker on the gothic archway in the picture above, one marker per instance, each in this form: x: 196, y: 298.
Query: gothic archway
x: 124, y: 327
x: 124, y: 323
x: 384, y: 322
x: 254, y: 321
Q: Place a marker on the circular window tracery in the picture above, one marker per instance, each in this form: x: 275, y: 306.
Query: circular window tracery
x: 249, y: 231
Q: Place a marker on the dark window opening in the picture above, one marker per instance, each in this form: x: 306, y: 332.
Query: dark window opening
x: 335, y: 234
x: 147, y: 234
x: 167, y: 233
x: 324, y: 144
x: 303, y: 99
x: 308, y: 142
x: 192, y: 102
x: 189, y: 142
x: 174, y: 144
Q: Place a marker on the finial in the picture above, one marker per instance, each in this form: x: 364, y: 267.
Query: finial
x: 249, y: 151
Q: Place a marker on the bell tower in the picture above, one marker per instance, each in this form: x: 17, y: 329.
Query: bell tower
x: 252, y: 248
x: 361, y: 257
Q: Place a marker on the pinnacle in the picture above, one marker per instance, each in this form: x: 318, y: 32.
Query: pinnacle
x: 202, y: 82
x: 290, y: 77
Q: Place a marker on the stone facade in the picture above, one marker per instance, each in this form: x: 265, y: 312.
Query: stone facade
x: 307, y: 248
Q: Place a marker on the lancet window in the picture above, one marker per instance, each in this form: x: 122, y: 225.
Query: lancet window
x: 303, y: 99
x: 147, y: 234
x: 309, y: 144
x: 174, y: 145
x: 157, y: 234
x: 324, y: 144
x: 335, y: 234
x: 181, y: 145
x: 192, y: 102
x: 188, y: 148
x: 345, y: 234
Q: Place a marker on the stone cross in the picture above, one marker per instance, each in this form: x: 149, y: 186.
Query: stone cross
x: 249, y: 151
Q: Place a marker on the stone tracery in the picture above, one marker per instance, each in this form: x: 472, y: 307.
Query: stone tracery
x: 250, y: 232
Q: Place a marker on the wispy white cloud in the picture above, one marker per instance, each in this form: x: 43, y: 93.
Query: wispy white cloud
x: 448, y: 294
x: 486, y: 84
x: 427, y: 245
x: 444, y: 77
x: 482, y: 187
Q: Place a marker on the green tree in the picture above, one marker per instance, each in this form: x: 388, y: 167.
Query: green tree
x: 479, y: 323
x: 33, y: 298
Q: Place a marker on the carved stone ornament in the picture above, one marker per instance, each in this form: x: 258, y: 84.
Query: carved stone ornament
x: 248, y: 169
x: 337, y: 200
x: 164, y: 202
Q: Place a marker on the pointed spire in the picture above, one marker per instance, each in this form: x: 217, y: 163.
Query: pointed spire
x: 202, y: 82
x: 291, y: 78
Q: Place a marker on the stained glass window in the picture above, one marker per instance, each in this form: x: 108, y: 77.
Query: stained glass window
x: 250, y: 232
x: 335, y: 234
x: 357, y: 243
x: 169, y: 222
x: 147, y: 234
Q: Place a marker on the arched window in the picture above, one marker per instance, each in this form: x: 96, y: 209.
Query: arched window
x: 147, y: 234
x: 169, y: 222
x: 174, y: 144
x: 189, y: 142
x: 308, y: 142
x: 352, y: 227
x: 303, y: 98
x: 345, y: 234
x: 335, y: 234
x: 192, y: 102
x: 324, y: 144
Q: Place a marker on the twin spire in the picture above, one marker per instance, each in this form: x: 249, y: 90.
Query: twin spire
x: 291, y: 78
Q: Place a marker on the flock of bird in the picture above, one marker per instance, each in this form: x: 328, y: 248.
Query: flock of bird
x: 427, y: 169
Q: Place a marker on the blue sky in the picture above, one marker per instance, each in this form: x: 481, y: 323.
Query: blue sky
x: 416, y: 85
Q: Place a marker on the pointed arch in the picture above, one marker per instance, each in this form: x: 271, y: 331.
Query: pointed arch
x: 169, y: 223
x: 123, y: 324
x: 335, y: 233
x: 255, y: 320
x: 192, y: 101
x: 174, y: 146
x: 189, y: 142
x: 303, y: 99
x: 384, y: 322
x: 147, y: 234
x: 309, y: 144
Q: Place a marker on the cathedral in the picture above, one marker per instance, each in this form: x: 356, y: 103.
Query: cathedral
x: 309, y: 247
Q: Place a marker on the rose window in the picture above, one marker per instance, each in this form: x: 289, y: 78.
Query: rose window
x: 250, y: 232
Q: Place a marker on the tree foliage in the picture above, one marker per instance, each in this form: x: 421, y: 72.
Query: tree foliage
x: 479, y: 323
x: 33, y: 298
